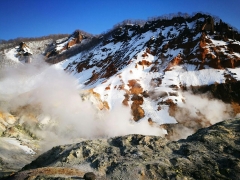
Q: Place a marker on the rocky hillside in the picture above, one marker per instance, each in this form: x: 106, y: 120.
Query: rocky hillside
x: 22, y: 49
x: 210, y: 153
x: 159, y: 68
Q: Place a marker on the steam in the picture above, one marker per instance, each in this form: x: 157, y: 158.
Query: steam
x: 52, y: 95
x: 199, y: 111
x: 212, y: 110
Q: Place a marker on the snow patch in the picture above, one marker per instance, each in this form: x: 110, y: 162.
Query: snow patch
x: 17, y: 143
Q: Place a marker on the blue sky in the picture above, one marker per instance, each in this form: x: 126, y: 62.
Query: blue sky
x: 35, y: 18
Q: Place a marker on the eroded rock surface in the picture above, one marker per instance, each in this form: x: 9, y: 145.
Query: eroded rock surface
x: 210, y: 153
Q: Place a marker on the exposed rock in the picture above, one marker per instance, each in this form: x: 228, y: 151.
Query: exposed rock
x: 208, y: 25
x: 50, y: 173
x: 6, y: 120
x: 24, y: 49
x: 89, y: 176
x: 12, y: 156
x: 210, y: 153
x: 137, y: 100
x: 59, y: 47
x: 24, y: 52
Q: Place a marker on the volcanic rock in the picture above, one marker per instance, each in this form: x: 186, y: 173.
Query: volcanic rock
x: 210, y: 153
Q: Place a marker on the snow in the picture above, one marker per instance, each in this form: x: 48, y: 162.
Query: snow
x: 166, y: 30
x: 160, y: 117
x: 191, y: 24
x: 218, y: 43
x: 197, y: 36
x: 11, y: 54
x: 202, y: 77
x: 61, y: 45
x: 84, y: 77
x: 26, y: 49
x: 61, y: 40
x: 173, y: 52
x: 17, y: 143
x: 63, y: 64
x: 236, y: 72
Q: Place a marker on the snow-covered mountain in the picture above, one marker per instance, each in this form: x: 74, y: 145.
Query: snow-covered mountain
x: 166, y: 71
x: 152, y: 68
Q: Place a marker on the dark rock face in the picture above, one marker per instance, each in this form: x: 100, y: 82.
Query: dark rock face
x: 89, y: 176
x: 210, y: 153
x: 24, y: 52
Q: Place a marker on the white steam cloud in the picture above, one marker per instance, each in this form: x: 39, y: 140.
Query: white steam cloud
x: 50, y: 93
x: 198, y: 111
x: 212, y: 110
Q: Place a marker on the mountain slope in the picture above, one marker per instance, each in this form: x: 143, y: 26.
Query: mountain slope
x: 148, y: 69
x: 155, y: 70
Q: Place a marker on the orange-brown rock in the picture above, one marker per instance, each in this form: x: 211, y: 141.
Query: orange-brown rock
x: 105, y: 105
x: 177, y: 60
x: 100, y: 104
x: 110, y: 70
x: 126, y: 99
x: 144, y: 54
x: 94, y: 93
x: 137, y: 99
x: 108, y: 87
x: 202, y: 44
x: 92, y: 78
x: 236, y: 108
x: 204, y: 52
x: 137, y: 111
x: 77, y: 38
x: 22, y: 45
x: 144, y: 62
x: 172, y: 107
x: 135, y: 87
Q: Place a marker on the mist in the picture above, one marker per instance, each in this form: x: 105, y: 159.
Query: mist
x: 43, y: 93
x: 198, y: 111
x: 52, y: 97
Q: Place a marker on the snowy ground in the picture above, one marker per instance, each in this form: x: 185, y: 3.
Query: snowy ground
x: 15, y: 155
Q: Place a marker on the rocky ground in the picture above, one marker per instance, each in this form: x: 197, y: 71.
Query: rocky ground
x: 210, y: 153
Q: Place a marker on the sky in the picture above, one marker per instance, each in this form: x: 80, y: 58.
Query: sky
x: 36, y: 18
